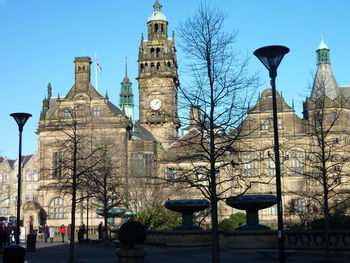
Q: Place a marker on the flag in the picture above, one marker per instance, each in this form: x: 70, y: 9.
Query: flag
x: 98, y: 65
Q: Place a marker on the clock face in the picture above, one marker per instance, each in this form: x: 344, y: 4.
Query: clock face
x: 155, y: 104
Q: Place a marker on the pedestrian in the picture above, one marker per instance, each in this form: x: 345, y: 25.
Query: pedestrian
x: 8, y: 234
x: 69, y: 231
x: 100, y: 230
x: 35, y: 231
x: 81, y: 232
x: 51, y: 232
x: 108, y: 229
x: 63, y: 231
x: 46, y: 232
x: 2, y: 238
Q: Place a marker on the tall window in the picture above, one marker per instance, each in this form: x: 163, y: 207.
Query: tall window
x: 67, y: 113
x: 272, y: 210
x: 170, y: 175
x: 5, y: 177
x: 279, y: 124
x: 298, y: 205
x: 28, y: 175
x: 96, y: 111
x: 270, y: 164
x: 4, y: 211
x: 35, y: 175
x: 142, y: 164
x: 334, y: 118
x: 202, y: 175
x: 296, y: 162
x: 265, y: 125
x: 57, y: 165
x: 57, y: 208
x: 250, y: 164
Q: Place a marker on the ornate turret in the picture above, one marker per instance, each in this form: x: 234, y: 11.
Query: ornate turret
x: 157, y: 23
x: 126, y: 95
x: 324, y: 82
x: 322, y: 53
x: 46, y: 102
x: 158, y: 79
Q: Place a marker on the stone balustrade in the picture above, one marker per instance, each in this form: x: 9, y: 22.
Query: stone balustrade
x: 248, y: 241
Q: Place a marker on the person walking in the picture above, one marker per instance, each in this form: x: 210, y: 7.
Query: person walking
x: 100, y: 230
x: 63, y: 231
x: 8, y: 233
x: 2, y: 238
x: 69, y: 231
x: 51, y: 233
x: 46, y: 232
x: 81, y: 232
x: 108, y: 229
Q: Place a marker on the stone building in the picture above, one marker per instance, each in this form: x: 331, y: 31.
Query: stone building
x: 314, y: 149
x: 144, y: 150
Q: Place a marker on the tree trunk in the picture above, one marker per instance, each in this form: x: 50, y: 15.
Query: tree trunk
x: 106, y: 229
x: 72, y: 237
x: 215, y: 232
x: 326, y: 229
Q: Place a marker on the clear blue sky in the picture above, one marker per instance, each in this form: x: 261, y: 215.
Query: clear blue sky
x: 39, y: 40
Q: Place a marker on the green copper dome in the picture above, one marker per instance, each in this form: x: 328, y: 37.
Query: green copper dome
x: 322, y: 53
x: 157, y: 13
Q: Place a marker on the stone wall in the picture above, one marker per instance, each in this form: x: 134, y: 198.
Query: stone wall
x: 248, y: 241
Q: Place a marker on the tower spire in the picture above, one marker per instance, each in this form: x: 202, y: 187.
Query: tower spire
x: 126, y: 78
x: 126, y: 95
x: 157, y: 6
x: 126, y: 66
x: 325, y: 83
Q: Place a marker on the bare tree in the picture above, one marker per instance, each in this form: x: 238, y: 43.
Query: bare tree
x: 76, y: 156
x: 219, y: 93
x: 106, y: 181
x: 326, y: 164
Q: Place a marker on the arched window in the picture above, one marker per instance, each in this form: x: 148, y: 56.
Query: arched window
x: 4, y: 211
x: 157, y: 52
x: 156, y: 28
x: 152, y: 52
x: 57, y: 208
x: 158, y: 66
x: 142, y: 68
x: 169, y: 64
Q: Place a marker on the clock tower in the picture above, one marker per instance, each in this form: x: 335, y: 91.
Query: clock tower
x: 158, y: 79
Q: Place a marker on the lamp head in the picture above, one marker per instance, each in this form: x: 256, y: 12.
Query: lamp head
x: 21, y: 119
x: 271, y: 57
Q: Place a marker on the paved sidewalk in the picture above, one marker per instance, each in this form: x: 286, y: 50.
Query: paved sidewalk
x: 57, y: 252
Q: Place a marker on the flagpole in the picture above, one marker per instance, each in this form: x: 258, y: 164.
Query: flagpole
x: 96, y: 83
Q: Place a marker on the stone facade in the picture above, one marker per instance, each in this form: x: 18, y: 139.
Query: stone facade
x: 147, y: 149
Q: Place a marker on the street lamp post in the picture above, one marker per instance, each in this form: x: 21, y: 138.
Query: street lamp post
x: 21, y: 119
x: 271, y: 57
